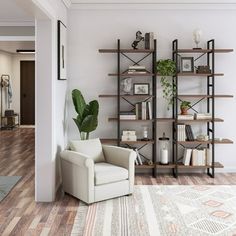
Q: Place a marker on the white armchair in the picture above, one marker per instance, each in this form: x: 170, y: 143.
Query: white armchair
x: 91, y: 176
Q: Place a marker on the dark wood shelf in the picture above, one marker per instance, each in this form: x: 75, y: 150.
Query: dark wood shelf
x: 113, y: 140
x: 169, y: 166
x: 190, y: 50
x: 124, y: 96
x: 204, y: 96
x: 182, y: 166
x: 131, y: 75
x: 216, y: 165
x: 223, y: 141
x: 115, y: 119
x: 199, y: 74
x: 144, y: 166
x: 127, y: 50
x: 165, y: 119
x: 200, y: 120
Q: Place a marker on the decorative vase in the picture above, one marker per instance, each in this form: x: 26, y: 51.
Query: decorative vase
x: 184, y: 110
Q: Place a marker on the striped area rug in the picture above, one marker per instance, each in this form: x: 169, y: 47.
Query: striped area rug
x: 162, y: 210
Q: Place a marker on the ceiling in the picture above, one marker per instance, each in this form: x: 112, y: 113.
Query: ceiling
x: 12, y: 46
x: 10, y: 11
x: 150, y: 1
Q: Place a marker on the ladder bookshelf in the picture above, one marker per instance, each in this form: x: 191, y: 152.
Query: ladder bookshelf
x: 143, y: 53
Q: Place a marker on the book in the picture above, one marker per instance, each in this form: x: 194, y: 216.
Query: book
x: 149, y: 110
x: 137, y: 67
x: 202, y: 116
x: 187, y: 156
x: 149, y: 40
x: 194, y: 157
x: 208, y: 157
x: 144, y: 111
x: 189, y: 133
x: 139, y: 157
x: 181, y: 133
x: 186, y: 117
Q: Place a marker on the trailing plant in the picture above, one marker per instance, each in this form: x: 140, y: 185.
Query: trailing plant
x: 167, y: 68
x: 87, y: 114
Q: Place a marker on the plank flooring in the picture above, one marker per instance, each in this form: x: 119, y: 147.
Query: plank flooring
x: 21, y: 215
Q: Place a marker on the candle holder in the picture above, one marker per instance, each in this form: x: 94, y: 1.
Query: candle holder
x: 164, y: 149
x: 145, y: 134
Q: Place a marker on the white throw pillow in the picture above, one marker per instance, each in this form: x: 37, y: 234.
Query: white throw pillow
x: 90, y: 147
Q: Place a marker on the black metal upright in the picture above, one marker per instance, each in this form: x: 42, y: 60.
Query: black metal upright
x: 154, y: 106
x: 175, y: 109
x: 211, y: 106
x: 118, y: 90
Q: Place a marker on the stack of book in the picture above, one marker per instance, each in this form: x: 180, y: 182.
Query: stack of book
x: 181, y: 133
x: 127, y: 115
x: 203, y: 116
x: 186, y: 117
x: 149, y: 40
x: 137, y: 70
x: 143, y: 110
x: 189, y: 133
x: 197, y: 157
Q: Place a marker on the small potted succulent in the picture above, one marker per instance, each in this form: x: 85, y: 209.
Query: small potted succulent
x: 185, y: 105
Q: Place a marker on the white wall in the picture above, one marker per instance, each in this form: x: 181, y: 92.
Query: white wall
x: 90, y: 30
x: 50, y: 101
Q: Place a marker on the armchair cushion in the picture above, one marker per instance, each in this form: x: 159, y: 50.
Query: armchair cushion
x: 91, y: 148
x: 105, y: 173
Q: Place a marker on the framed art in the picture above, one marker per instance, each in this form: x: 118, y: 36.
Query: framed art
x: 141, y: 88
x: 62, y: 51
x: 187, y: 64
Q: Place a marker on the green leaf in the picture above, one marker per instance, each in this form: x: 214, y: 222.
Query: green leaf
x: 79, y: 102
x: 77, y: 124
x: 89, y: 123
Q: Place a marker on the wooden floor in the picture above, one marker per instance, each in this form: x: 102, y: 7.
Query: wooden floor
x: 20, y: 215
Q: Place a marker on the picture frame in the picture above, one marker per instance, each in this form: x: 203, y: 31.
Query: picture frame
x: 141, y: 89
x: 62, y: 50
x: 187, y: 64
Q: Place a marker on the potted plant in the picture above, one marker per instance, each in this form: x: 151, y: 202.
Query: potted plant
x: 184, y: 106
x: 87, y: 114
x: 167, y: 68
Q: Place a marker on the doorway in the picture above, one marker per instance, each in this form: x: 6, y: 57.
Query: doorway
x: 27, y: 92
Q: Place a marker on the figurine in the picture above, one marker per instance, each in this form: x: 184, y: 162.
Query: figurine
x: 138, y: 39
x: 126, y: 85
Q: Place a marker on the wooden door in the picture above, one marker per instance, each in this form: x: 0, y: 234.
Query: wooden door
x: 27, y: 91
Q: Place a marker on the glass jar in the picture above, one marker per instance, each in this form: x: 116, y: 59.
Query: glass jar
x: 164, y: 149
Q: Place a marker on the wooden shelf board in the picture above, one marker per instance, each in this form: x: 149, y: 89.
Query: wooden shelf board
x: 216, y: 165
x: 144, y: 166
x: 124, y: 96
x: 165, y: 119
x: 200, y: 120
x: 199, y: 74
x: 115, y: 119
x: 190, y: 50
x: 169, y: 166
x: 127, y: 50
x: 127, y: 142
x: 131, y: 75
x: 223, y: 141
x: 204, y: 96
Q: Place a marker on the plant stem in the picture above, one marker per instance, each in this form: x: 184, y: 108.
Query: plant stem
x: 87, y: 135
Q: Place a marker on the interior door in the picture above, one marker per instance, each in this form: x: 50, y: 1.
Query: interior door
x: 27, y: 91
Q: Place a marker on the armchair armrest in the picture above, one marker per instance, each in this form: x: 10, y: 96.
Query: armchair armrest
x: 119, y: 156
x: 78, y: 175
x: 77, y: 158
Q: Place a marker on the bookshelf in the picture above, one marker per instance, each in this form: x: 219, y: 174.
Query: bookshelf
x: 148, y: 77
x: 209, y: 97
